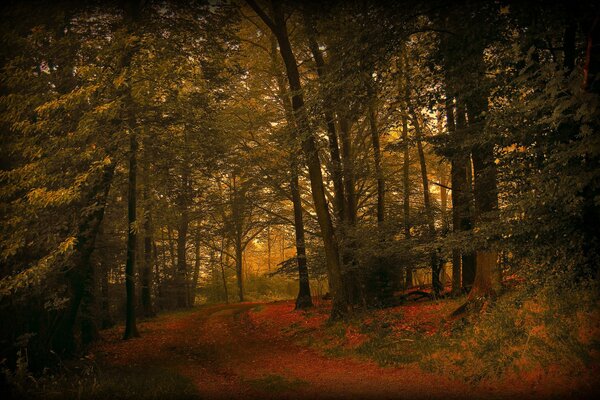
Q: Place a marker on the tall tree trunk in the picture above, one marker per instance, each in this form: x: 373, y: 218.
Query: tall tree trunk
x: 146, y: 275
x: 461, y: 193
x: 348, y: 169
x: 172, y: 253
x: 487, y: 277
x: 239, y: 259
x: 223, y: 277
x: 304, y: 299
x: 334, y: 150
x: 456, y: 217
x: 130, y: 325
x: 183, y: 200
x: 377, y: 161
x: 406, y: 194
x: 435, y: 264
x: 132, y: 10
x: 196, y: 273
x: 309, y: 146
x: 182, y: 272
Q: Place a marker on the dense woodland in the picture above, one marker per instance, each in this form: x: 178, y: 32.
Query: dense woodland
x: 356, y: 154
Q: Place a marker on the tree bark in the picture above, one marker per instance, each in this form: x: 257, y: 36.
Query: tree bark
x: 132, y: 9
x: 461, y: 193
x: 130, y: 324
x: 487, y: 277
x: 406, y: 192
x: 196, y: 273
x: 435, y: 264
x: 182, y: 233
x: 377, y: 162
x: 223, y: 277
x: 309, y: 146
x: 334, y: 150
x: 456, y: 217
x: 146, y: 275
x: 304, y: 299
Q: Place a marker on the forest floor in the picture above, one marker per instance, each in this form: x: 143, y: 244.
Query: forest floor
x: 268, y: 350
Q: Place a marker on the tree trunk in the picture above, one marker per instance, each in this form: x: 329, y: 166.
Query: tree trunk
x: 223, y: 272
x: 183, y: 200
x: 406, y: 194
x: 348, y: 169
x: 304, y: 299
x: 130, y: 325
x: 181, y: 280
x: 461, y: 195
x: 334, y: 150
x: 146, y: 275
x: 239, y: 254
x: 377, y: 162
x: 435, y: 264
x: 196, y: 273
x: 485, y: 189
x: 309, y: 146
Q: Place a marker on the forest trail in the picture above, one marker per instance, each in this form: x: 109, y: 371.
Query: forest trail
x: 227, y: 355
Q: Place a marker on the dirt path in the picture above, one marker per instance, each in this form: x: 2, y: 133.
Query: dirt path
x: 226, y: 356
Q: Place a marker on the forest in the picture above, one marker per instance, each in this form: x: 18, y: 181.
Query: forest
x: 265, y: 199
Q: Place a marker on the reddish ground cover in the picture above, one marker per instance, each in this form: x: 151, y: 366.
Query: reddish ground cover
x: 255, y: 351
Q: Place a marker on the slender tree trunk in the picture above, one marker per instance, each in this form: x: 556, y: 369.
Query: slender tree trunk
x: 304, y: 299
x: 348, y: 169
x: 172, y: 253
x: 456, y: 217
x: 334, y: 150
x: 239, y: 259
x: 130, y: 325
x: 196, y: 272
x: 182, y: 270
x: 406, y: 194
x: 487, y: 277
x: 435, y: 264
x: 183, y: 200
x: 377, y: 162
x: 132, y: 9
x: 309, y: 146
x: 223, y: 272
x: 146, y: 276
x: 462, y: 196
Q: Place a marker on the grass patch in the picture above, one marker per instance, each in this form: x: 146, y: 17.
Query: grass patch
x: 276, y: 383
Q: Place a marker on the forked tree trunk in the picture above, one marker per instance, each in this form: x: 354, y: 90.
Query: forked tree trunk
x: 334, y: 150
x: 309, y: 146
